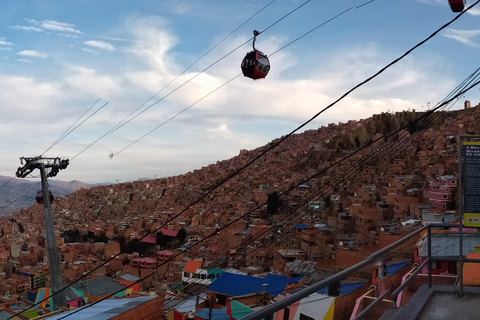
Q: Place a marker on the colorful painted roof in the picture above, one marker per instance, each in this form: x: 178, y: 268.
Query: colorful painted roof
x: 395, y: 267
x: 471, y: 271
x: 236, y: 285
x: 192, y: 266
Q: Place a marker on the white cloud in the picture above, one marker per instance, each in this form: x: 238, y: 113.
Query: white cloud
x: 463, y: 36
x: 55, y: 26
x: 88, y: 80
x: 32, y: 53
x: 59, y: 26
x: 474, y: 11
x: 153, y: 43
x: 25, y: 60
x: 26, y: 28
x: 68, y: 35
x: 100, y: 45
x: 89, y: 50
x: 4, y: 42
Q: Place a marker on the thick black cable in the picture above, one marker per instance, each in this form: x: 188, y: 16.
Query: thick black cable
x: 411, y: 140
x: 281, y: 140
x: 315, y: 175
x: 145, y: 277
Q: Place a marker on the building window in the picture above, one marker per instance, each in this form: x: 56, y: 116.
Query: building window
x: 203, y: 276
x: 304, y: 317
x: 186, y: 274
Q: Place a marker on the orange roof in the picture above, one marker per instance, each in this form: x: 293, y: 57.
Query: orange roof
x: 471, y: 271
x: 192, y: 266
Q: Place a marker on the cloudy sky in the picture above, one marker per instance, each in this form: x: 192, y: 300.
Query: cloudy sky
x: 57, y: 58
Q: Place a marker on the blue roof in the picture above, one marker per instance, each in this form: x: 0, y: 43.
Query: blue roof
x: 301, y: 226
x: 394, y: 268
x: 275, y: 277
x: 105, y: 309
x: 232, y: 284
x: 345, y: 288
x: 217, y: 314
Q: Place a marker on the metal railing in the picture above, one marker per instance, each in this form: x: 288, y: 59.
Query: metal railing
x: 268, y: 312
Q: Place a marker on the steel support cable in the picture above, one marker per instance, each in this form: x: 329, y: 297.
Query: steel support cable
x: 149, y: 275
x: 315, y: 116
x: 326, y: 169
x: 142, y: 279
x: 399, y: 150
x: 119, y: 125
x: 225, y: 83
x: 281, y: 140
x: 66, y: 132
x: 214, y: 63
x: 339, y: 161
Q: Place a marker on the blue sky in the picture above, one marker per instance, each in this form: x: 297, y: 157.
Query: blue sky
x: 58, y: 57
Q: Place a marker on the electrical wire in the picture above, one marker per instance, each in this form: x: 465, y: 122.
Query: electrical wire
x: 66, y: 132
x: 124, y: 121
x: 342, y: 160
x: 121, y: 123
x: 227, y: 82
x: 142, y: 279
x: 339, y: 100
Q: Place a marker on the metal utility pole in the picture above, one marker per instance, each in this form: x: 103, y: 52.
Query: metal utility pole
x: 49, y: 167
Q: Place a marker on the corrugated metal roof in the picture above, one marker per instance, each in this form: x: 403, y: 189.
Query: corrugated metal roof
x: 447, y: 245
x: 395, y: 267
x: 105, y: 309
x: 217, y: 314
x: 99, y: 287
x: 301, y: 267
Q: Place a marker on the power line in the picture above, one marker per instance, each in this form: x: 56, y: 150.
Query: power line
x: 197, y: 243
x: 227, y: 82
x: 305, y: 124
x: 121, y: 123
x: 124, y: 121
x: 66, y: 132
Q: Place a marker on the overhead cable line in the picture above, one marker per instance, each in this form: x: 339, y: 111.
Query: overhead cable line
x: 241, y: 217
x: 281, y: 140
x: 352, y: 174
x: 125, y: 121
x: 225, y: 83
x: 425, y: 115
x: 66, y: 132
x: 121, y: 123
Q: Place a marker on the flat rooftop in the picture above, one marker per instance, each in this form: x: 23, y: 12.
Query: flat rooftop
x: 438, y: 303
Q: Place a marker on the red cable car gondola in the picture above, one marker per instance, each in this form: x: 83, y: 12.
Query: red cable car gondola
x: 255, y: 65
x: 456, y: 5
x: 39, y: 196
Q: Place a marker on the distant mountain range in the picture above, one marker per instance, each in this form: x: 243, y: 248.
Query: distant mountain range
x: 20, y: 194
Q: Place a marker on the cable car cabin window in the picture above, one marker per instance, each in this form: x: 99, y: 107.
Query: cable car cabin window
x: 456, y: 5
